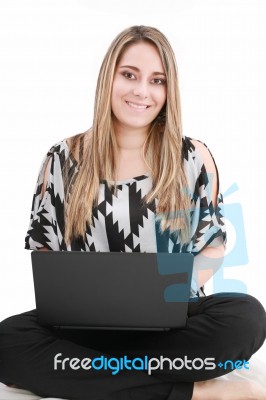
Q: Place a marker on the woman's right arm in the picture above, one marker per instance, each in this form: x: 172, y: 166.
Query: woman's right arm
x: 46, y: 226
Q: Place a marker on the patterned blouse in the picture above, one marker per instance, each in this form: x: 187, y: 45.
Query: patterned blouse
x: 121, y: 223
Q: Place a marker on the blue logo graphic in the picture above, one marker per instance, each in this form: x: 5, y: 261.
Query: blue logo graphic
x: 233, y: 216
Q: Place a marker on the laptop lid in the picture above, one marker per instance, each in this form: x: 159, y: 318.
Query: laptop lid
x: 99, y: 290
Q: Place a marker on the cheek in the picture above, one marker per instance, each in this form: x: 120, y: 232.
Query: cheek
x: 161, y: 97
x: 119, y: 88
x: 117, y: 94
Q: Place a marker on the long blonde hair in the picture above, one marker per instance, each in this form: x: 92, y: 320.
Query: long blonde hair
x: 162, y: 149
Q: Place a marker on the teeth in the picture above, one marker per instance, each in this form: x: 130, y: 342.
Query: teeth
x: 136, y: 106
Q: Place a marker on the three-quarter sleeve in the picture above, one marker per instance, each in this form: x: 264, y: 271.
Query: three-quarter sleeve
x: 207, y: 216
x: 207, y: 219
x: 46, y: 228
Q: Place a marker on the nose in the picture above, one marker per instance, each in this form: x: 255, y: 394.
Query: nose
x: 141, y: 89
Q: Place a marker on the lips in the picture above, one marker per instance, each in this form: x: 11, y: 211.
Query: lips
x: 137, y: 106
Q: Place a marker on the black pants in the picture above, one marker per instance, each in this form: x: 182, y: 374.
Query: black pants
x: 221, y: 326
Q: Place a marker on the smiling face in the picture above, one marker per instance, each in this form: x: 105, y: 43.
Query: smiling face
x: 139, y: 87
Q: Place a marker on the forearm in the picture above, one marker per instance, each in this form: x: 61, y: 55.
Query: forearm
x: 207, y: 262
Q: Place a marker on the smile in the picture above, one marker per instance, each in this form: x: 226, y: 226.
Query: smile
x: 137, y: 106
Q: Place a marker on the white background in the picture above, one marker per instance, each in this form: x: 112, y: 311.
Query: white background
x: 51, y: 52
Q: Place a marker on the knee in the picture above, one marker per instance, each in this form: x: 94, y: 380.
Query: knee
x: 6, y: 342
x: 7, y: 328
x: 250, y: 321
x: 9, y: 340
x: 12, y: 327
x: 6, y: 324
x: 253, y: 312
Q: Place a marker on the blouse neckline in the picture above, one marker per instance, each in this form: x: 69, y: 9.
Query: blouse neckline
x: 128, y: 180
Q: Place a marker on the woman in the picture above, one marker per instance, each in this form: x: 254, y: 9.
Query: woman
x: 134, y: 183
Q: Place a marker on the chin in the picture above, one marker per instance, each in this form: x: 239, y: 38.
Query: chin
x: 139, y: 124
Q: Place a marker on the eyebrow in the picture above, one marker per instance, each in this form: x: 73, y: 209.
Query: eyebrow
x: 138, y: 70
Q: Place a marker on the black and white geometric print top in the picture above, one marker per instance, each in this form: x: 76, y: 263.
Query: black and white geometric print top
x: 121, y: 222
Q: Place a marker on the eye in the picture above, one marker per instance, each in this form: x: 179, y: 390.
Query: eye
x: 128, y: 75
x: 159, y: 81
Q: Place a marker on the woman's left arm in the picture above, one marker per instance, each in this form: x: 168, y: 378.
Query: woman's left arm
x: 210, y: 259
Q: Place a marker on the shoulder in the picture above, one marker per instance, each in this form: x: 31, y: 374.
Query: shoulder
x: 78, y: 144
x: 71, y: 147
x: 199, y: 152
x: 58, y: 148
x: 62, y: 159
x: 201, y: 166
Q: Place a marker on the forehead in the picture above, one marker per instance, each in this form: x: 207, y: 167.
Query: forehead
x: 142, y: 55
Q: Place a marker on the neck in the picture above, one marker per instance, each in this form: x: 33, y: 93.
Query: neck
x: 130, y: 139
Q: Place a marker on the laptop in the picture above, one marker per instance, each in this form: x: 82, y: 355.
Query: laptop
x: 112, y: 290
